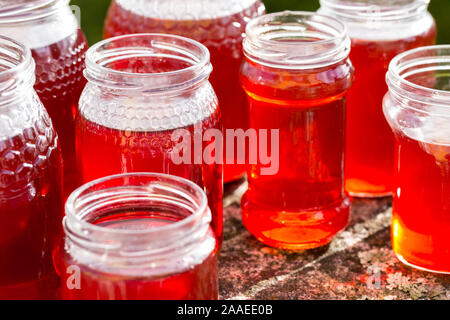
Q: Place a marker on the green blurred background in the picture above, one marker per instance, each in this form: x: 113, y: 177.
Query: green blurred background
x: 93, y: 14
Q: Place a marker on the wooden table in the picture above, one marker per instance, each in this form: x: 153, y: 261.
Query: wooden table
x: 358, y: 264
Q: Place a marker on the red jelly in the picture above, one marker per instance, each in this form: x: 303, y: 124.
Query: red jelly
x: 136, y: 102
x: 417, y: 108
x: 58, y: 46
x: 30, y: 182
x: 219, y: 25
x: 139, y: 237
x: 379, y: 30
x: 296, y: 79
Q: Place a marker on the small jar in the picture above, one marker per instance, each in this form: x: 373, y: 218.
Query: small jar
x: 30, y: 182
x: 296, y: 74
x: 51, y: 31
x: 139, y: 237
x: 417, y: 108
x: 379, y: 30
x: 149, y: 107
x: 220, y: 26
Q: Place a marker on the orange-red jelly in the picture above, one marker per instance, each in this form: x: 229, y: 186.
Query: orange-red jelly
x: 303, y: 205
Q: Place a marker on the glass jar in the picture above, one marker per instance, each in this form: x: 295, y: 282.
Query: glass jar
x: 296, y: 74
x: 139, y: 236
x: 30, y: 182
x: 148, y: 107
x: 220, y: 26
x: 58, y: 46
x: 417, y: 107
x: 379, y: 30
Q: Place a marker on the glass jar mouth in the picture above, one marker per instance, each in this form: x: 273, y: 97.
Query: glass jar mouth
x: 192, y: 58
x: 25, y: 10
x: 89, y: 197
x: 376, y: 10
x: 16, y: 69
x: 413, y: 75
x: 138, y: 223
x: 296, y: 40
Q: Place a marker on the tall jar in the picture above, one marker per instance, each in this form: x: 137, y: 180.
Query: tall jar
x: 417, y: 107
x: 379, y: 30
x: 51, y: 31
x: 30, y: 182
x: 139, y: 237
x: 149, y: 107
x: 296, y: 74
x: 219, y: 25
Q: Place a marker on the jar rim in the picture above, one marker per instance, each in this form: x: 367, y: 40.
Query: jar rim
x: 419, y: 60
x: 71, y: 211
x: 18, y: 65
x: 373, y: 12
x: 25, y: 10
x: 182, y: 237
x: 274, y: 52
x: 197, y: 53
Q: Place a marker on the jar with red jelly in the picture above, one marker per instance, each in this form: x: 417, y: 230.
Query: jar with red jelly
x: 379, y: 30
x: 296, y: 74
x: 149, y: 107
x: 417, y: 108
x: 220, y: 26
x: 51, y: 31
x: 139, y: 236
x: 30, y: 182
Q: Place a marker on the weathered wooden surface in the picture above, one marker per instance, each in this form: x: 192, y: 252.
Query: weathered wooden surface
x: 358, y: 264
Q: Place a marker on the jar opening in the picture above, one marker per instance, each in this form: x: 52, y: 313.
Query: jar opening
x: 375, y: 10
x: 422, y: 75
x: 149, y: 62
x: 16, y: 69
x: 296, y: 40
x: 14, y: 11
x: 139, y: 212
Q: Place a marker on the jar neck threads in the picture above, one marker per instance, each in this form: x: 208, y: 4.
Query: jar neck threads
x: 375, y: 11
x: 418, y: 79
x: 148, y: 63
x: 140, y: 219
x: 19, y: 11
x: 16, y: 70
x: 296, y: 40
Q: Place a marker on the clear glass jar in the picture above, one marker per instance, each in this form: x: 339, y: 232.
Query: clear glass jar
x: 379, y: 30
x: 220, y: 26
x: 296, y: 74
x: 30, y: 182
x: 139, y: 236
x: 144, y: 92
x: 58, y: 46
x: 417, y: 107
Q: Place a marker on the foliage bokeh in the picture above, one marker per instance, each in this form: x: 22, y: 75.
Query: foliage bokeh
x: 93, y: 14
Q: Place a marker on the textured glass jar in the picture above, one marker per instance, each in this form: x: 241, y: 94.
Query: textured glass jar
x: 379, y: 30
x: 58, y: 46
x: 139, y: 236
x: 220, y: 26
x: 144, y: 92
x: 296, y: 74
x: 418, y: 109
x: 30, y: 182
